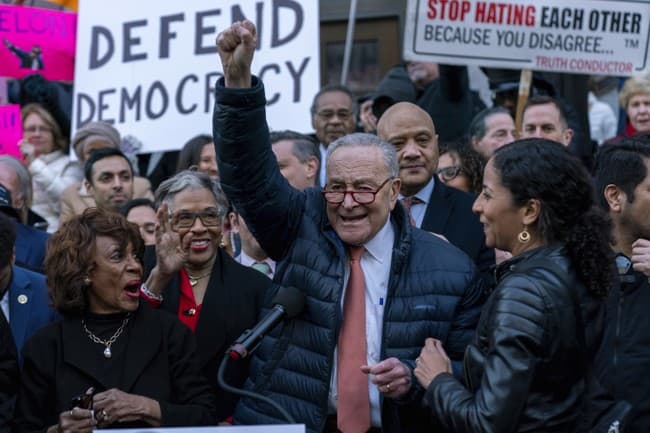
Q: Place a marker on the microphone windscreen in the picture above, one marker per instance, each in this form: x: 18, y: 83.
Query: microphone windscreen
x: 291, y: 299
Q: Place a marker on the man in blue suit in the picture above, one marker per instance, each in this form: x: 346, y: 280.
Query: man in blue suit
x: 23, y: 294
x: 15, y: 193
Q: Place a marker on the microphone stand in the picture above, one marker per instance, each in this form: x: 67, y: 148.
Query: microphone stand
x: 243, y: 393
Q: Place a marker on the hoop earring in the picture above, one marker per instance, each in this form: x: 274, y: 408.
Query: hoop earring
x: 524, y: 236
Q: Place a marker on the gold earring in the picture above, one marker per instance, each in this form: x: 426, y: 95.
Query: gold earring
x: 524, y: 236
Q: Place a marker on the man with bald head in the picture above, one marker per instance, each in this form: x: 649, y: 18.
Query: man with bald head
x: 433, y: 206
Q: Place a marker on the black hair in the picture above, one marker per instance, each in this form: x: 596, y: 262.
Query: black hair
x: 478, y: 127
x: 190, y: 154
x: 99, y: 154
x: 541, y: 169
x: 471, y: 162
x: 7, y: 240
x: 543, y: 100
x: 333, y: 88
x: 621, y: 164
x: 136, y: 202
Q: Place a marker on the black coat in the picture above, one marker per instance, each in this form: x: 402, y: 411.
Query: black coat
x: 232, y: 303
x: 9, y: 374
x: 449, y: 212
x: 524, y: 371
x: 624, y: 362
x: 433, y: 289
x: 159, y: 363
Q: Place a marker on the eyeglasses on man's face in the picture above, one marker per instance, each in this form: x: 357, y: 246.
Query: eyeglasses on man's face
x: 184, y: 219
x: 337, y: 196
x: 449, y: 173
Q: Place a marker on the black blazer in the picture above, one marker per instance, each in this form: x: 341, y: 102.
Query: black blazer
x: 449, y: 213
x: 233, y: 300
x: 9, y: 374
x: 159, y: 363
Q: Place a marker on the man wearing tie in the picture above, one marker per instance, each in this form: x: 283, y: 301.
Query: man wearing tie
x: 432, y: 205
x: 375, y: 287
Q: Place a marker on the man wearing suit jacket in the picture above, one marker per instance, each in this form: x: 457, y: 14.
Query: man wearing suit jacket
x: 433, y: 206
x: 9, y: 375
x: 23, y: 294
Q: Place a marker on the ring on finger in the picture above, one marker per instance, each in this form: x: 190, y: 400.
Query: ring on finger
x: 387, y: 387
x: 104, y: 415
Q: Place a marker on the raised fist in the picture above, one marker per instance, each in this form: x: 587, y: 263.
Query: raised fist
x: 236, y: 46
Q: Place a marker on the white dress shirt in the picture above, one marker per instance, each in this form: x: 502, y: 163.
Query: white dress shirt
x: 375, y: 262
x: 247, y: 260
x: 4, y: 305
x: 418, y: 210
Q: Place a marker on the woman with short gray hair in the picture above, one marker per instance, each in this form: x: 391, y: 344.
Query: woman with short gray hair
x: 194, y: 278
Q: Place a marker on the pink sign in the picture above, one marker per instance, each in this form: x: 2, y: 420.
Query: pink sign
x: 11, y: 130
x: 34, y: 40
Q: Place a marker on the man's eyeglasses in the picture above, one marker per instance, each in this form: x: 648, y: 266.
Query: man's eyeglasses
x: 449, y: 173
x: 361, y: 197
x: 38, y: 128
x: 329, y: 115
x: 185, y: 219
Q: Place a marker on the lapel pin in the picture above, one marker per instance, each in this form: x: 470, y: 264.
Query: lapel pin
x: 22, y: 299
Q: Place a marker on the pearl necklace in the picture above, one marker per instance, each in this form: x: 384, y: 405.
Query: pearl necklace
x: 107, y: 343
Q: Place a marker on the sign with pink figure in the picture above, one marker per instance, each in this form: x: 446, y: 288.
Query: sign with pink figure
x: 10, y: 130
x: 34, y: 40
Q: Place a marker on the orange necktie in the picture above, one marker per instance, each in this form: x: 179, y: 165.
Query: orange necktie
x: 353, y: 411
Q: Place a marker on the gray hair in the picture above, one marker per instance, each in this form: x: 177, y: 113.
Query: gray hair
x: 190, y: 180
x: 360, y: 139
x: 478, y: 126
x: 23, y: 176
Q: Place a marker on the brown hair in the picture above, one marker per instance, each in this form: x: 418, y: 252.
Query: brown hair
x: 60, y: 142
x: 70, y: 255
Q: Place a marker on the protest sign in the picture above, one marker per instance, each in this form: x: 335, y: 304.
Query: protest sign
x: 10, y: 130
x: 604, y: 37
x: 34, y: 40
x: 149, y: 67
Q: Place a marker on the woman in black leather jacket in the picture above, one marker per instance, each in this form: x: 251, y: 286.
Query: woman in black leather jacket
x: 525, y: 369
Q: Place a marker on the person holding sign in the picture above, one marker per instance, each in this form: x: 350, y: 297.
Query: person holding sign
x: 375, y: 287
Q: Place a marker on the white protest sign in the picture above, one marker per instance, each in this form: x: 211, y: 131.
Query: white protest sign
x: 278, y: 428
x: 149, y: 66
x: 605, y: 37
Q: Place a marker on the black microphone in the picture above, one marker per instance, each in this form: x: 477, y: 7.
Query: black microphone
x: 287, y: 304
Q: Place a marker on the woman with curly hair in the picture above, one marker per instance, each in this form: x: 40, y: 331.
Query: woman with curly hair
x: 112, y: 361
x: 460, y: 166
x: 526, y: 368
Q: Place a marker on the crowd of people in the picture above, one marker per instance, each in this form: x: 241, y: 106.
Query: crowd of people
x: 460, y: 274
